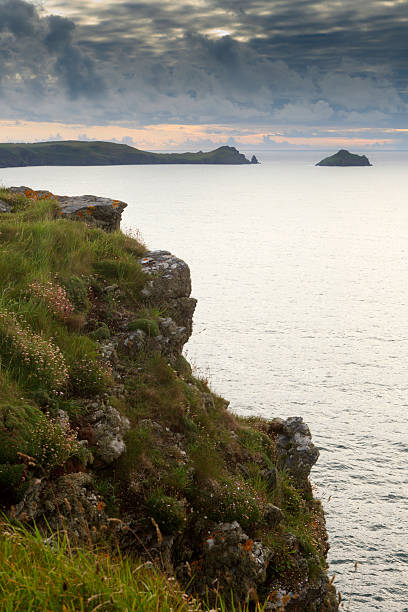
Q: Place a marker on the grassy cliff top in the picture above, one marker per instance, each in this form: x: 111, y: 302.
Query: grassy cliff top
x: 77, y: 153
x: 110, y: 438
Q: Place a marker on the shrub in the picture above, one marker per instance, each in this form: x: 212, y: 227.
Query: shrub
x: 25, y: 432
x: 11, y: 481
x: 33, y: 360
x: 54, y: 296
x: 51, y: 444
x: 149, y: 326
x: 88, y: 377
x: 228, y: 501
x: 78, y: 292
x: 293, y: 503
x: 168, y: 512
x: 101, y: 333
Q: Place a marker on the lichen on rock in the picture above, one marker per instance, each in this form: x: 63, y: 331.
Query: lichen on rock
x: 97, y: 211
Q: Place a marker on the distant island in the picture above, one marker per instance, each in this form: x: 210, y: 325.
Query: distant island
x: 97, y: 153
x: 345, y: 158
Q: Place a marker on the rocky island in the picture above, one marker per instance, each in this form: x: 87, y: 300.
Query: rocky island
x: 124, y: 480
x: 344, y: 158
x: 77, y: 153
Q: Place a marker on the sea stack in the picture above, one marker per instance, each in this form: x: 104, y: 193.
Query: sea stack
x: 345, y: 158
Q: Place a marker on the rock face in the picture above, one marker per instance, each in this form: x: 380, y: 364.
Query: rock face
x: 296, y: 451
x: 95, y: 210
x: 108, y: 428
x: 344, y: 158
x: 4, y: 207
x: 68, y: 503
x: 170, y: 286
x: 231, y: 561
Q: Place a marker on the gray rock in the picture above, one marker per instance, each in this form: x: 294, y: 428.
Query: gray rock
x: 170, y: 285
x: 4, y: 207
x: 273, y: 515
x: 170, y: 276
x: 69, y: 502
x: 95, y: 210
x: 271, y: 477
x: 295, y: 448
x: 108, y: 428
x: 231, y: 562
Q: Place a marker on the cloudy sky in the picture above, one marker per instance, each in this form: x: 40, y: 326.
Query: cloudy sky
x: 189, y: 74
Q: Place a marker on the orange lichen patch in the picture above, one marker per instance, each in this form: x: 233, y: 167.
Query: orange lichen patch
x: 80, y: 213
x: 196, y: 564
x: 247, y: 546
x: 115, y: 203
x: 39, y: 195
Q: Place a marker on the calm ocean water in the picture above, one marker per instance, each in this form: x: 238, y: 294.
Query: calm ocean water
x: 301, y: 276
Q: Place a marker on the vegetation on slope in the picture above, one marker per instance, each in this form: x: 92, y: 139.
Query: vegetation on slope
x: 77, y: 153
x: 189, y: 465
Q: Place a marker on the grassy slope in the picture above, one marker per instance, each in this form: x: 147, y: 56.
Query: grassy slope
x: 75, y: 153
x: 53, y: 306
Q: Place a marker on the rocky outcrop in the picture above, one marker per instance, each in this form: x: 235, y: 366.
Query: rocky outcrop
x: 169, y: 286
x: 107, y: 430
x: 344, y: 158
x: 68, y: 503
x: 295, y: 449
x: 230, y: 563
x: 4, y: 207
x: 105, y: 213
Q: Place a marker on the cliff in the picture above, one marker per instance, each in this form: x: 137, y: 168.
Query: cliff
x: 106, y: 436
x: 344, y: 158
x: 77, y: 153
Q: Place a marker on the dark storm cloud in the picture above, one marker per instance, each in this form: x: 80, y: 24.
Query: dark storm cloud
x: 293, y: 62
x: 41, y: 54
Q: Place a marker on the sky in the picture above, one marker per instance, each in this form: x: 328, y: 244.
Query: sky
x: 196, y: 74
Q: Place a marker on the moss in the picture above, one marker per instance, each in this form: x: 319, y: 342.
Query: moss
x: 168, y: 512
x: 148, y: 326
x: 77, y: 289
x: 101, y: 333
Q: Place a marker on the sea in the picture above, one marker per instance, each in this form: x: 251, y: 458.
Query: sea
x: 301, y: 276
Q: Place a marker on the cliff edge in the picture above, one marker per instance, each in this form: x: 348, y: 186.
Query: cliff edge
x: 107, y: 436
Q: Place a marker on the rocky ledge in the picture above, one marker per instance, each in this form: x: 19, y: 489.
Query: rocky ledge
x: 95, y: 210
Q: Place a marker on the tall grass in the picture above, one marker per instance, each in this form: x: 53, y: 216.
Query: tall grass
x: 38, y: 574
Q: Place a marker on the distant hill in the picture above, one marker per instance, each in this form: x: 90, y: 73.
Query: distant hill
x: 345, y: 158
x: 77, y: 153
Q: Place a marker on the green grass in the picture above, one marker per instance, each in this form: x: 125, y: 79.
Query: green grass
x: 50, y: 288
x: 38, y: 573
